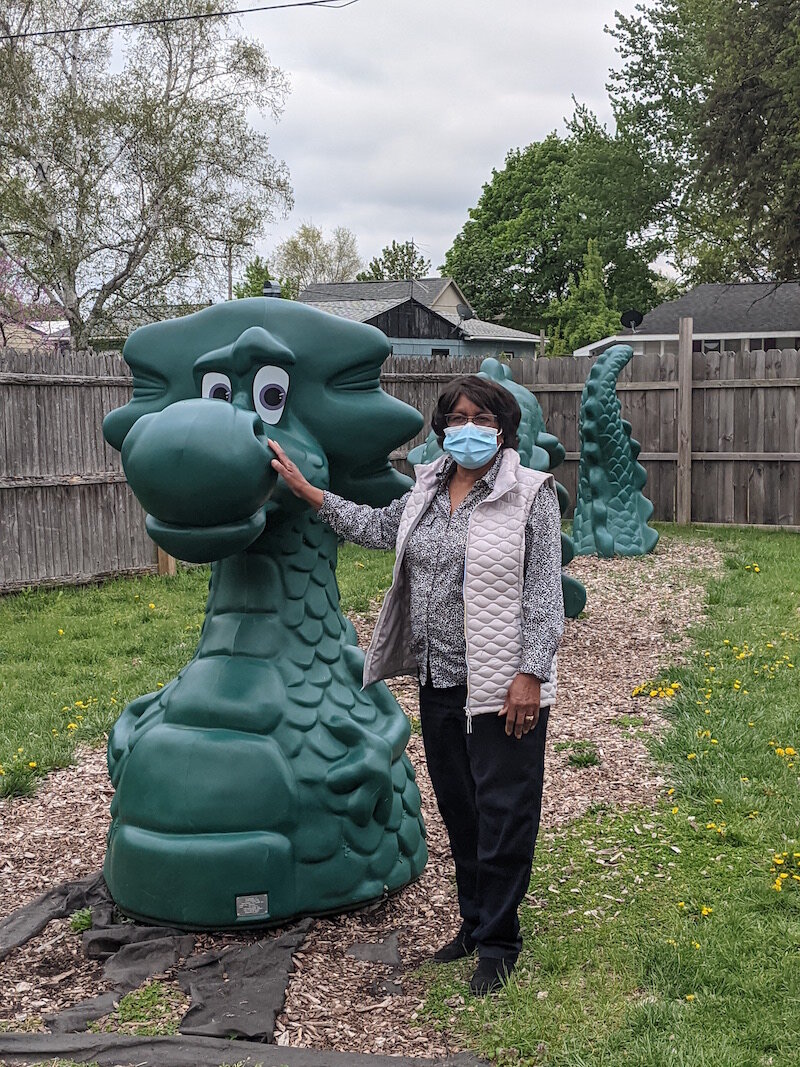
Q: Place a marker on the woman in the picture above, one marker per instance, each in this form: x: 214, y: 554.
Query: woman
x: 475, y: 610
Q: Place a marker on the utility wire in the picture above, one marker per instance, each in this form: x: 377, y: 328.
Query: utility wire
x: 333, y: 4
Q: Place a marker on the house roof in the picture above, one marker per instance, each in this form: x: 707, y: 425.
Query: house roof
x: 490, y: 331
x: 424, y: 290
x: 746, y: 307
x: 357, y: 310
x: 363, y: 301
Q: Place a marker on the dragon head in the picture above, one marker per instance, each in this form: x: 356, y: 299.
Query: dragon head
x: 210, y: 388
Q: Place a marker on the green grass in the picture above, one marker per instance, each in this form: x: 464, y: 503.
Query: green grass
x: 71, y: 659
x: 580, y: 753
x: 622, y: 966
x: 155, y: 1009
x: 80, y: 920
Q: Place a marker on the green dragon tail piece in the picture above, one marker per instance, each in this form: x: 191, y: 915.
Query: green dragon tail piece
x: 539, y: 450
x: 262, y: 783
x: 611, y: 512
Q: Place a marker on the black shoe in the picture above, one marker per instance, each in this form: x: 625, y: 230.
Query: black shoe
x: 490, y: 975
x: 459, y: 948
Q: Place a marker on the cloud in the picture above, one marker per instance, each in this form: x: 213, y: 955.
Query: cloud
x: 401, y: 108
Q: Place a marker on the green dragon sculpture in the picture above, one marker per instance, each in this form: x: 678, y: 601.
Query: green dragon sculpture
x: 261, y: 783
x: 611, y: 512
x: 539, y: 450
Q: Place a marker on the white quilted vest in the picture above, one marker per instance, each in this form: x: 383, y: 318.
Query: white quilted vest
x: 493, y: 576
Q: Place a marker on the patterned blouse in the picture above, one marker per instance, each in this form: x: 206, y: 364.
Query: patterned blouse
x: 434, y: 562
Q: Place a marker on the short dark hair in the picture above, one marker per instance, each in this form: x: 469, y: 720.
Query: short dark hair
x: 487, y: 395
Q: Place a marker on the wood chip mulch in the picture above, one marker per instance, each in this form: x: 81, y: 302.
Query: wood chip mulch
x: 634, y: 626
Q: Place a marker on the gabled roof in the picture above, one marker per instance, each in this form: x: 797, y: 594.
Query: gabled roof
x: 494, y: 331
x: 424, y: 290
x: 757, y: 307
x: 363, y: 301
x: 357, y: 310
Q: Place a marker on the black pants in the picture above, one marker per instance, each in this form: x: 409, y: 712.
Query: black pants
x: 489, y: 790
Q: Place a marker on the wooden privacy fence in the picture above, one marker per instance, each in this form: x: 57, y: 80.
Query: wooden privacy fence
x: 719, y: 432
x: 66, y: 513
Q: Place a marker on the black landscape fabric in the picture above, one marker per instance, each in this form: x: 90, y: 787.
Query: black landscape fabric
x: 115, y: 1050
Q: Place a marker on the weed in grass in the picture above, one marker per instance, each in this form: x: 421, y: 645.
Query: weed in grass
x: 155, y: 1009
x: 580, y: 753
x: 80, y: 920
x: 630, y: 720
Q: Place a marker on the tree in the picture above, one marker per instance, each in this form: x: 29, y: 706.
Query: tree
x: 396, y: 263
x: 16, y: 299
x: 308, y: 256
x: 528, y: 233
x: 121, y: 188
x: 256, y: 272
x: 586, y: 313
x: 711, y: 90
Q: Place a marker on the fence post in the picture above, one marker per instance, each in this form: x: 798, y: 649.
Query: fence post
x: 166, y: 563
x: 684, y: 478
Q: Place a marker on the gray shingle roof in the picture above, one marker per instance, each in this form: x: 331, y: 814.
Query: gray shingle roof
x: 425, y: 290
x: 357, y: 310
x: 757, y: 307
x: 478, y: 328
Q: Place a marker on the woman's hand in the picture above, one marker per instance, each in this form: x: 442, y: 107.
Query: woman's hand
x: 294, y: 477
x: 521, y: 706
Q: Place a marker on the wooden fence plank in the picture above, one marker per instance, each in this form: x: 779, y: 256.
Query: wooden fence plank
x: 68, y: 515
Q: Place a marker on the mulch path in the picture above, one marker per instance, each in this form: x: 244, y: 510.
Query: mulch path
x: 636, y: 608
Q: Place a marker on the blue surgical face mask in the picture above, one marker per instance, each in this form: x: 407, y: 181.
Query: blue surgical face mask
x: 470, y: 446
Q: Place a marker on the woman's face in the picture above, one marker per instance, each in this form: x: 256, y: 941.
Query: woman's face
x: 464, y: 406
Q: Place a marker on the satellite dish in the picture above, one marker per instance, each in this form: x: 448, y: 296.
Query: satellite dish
x: 464, y: 312
x: 631, y: 319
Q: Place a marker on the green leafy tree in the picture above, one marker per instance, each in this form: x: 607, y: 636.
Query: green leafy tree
x: 586, y: 313
x: 710, y: 89
x: 527, y: 235
x: 256, y: 272
x: 396, y: 262
x: 126, y: 186
x: 308, y: 256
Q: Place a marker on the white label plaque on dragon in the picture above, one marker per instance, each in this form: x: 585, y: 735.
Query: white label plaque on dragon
x: 250, y: 906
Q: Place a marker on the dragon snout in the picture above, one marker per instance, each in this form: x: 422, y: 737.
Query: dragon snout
x: 201, y: 469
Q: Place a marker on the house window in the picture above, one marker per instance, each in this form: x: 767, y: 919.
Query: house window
x: 440, y: 351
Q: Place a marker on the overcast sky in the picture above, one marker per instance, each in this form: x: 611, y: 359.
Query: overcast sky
x: 400, y: 109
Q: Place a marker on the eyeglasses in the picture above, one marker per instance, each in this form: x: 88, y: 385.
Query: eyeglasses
x: 486, y: 421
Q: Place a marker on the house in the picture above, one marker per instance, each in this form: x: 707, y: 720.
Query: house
x: 726, y: 317
x: 421, y: 317
x: 31, y: 336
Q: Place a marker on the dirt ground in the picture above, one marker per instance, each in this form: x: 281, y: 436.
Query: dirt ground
x: 634, y: 625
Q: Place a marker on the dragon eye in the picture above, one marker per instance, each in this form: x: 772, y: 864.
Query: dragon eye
x: 217, y: 386
x: 270, y: 387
